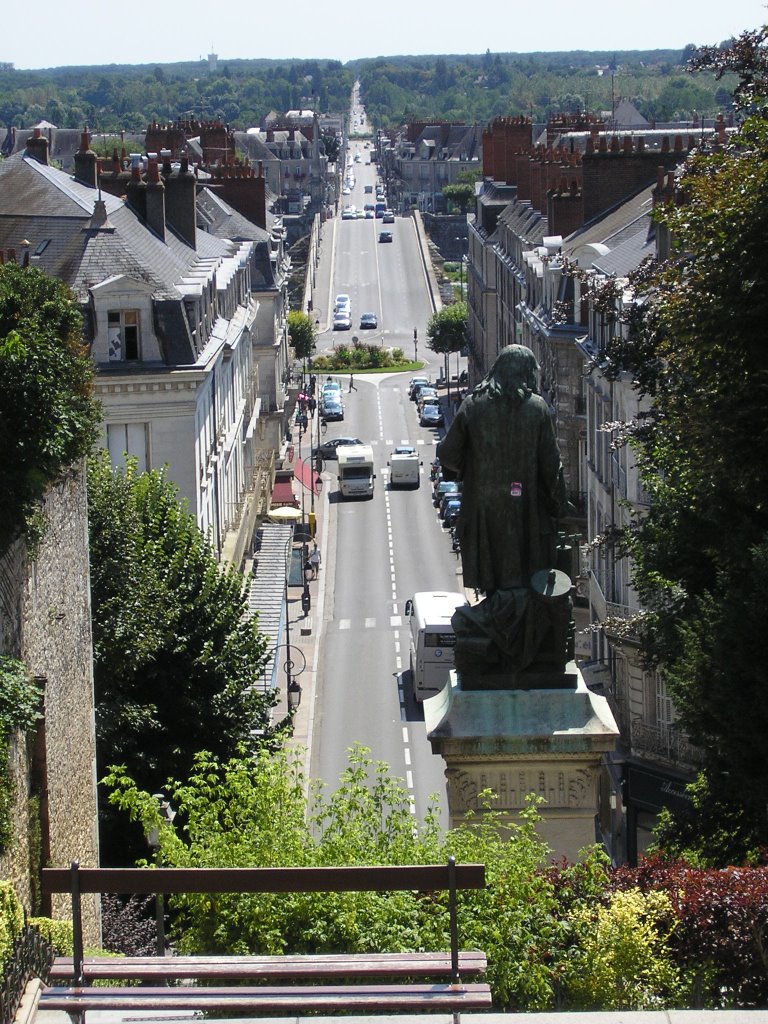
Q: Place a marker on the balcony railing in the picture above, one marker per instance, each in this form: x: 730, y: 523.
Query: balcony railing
x: 665, y: 741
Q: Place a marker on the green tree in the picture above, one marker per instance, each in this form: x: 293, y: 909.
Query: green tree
x: 260, y: 811
x: 701, y: 554
x: 48, y: 417
x: 303, y: 334
x: 177, y: 660
x: 447, y: 328
x: 461, y: 194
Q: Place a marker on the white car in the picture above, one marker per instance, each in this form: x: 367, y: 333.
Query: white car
x: 342, y: 302
x: 341, y: 321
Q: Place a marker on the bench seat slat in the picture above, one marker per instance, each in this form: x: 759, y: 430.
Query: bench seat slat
x: 299, y: 999
x: 288, y: 966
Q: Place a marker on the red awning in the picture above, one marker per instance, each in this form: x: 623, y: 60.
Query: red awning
x: 282, y: 494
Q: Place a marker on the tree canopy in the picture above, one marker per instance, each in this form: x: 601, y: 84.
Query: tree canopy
x: 303, y: 334
x: 48, y: 416
x: 696, y: 347
x: 176, y: 659
x: 557, y: 936
x: 447, y: 328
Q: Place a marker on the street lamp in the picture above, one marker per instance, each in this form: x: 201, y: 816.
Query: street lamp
x: 167, y: 813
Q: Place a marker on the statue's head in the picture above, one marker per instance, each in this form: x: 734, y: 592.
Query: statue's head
x: 513, y: 373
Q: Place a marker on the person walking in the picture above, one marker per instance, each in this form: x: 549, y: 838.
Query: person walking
x: 314, y: 560
x: 352, y: 385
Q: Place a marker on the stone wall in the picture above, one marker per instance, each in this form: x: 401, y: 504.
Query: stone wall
x: 45, y: 620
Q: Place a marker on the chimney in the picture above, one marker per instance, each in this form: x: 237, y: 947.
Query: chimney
x: 136, y: 190
x: 37, y: 147
x: 155, y: 197
x: 260, y: 214
x: 180, y: 208
x: 85, y: 161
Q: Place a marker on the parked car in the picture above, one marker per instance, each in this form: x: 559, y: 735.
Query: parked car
x: 385, y: 236
x: 328, y: 449
x: 414, y: 384
x: 431, y: 416
x: 426, y: 392
x: 451, y: 512
x: 446, y: 500
x: 368, y: 321
x: 332, y: 409
x: 442, y: 488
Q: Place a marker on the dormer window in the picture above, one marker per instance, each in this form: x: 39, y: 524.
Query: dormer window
x: 123, y: 332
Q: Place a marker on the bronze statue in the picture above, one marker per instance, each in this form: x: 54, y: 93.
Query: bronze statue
x: 502, y: 447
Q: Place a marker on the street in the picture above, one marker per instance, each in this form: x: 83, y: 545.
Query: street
x: 378, y: 552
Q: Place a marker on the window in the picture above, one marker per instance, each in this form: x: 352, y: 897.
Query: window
x: 130, y: 438
x: 123, y: 335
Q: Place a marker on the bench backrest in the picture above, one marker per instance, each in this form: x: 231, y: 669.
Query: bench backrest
x: 155, y: 881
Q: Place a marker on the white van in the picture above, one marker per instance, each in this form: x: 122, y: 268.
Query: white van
x: 404, y: 467
x: 432, y: 639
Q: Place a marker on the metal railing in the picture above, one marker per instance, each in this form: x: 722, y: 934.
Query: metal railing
x: 31, y: 956
x: 664, y: 741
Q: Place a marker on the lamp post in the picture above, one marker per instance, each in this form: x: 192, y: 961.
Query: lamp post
x: 167, y: 813
x: 415, y: 345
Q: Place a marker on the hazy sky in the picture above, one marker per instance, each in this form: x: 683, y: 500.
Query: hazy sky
x: 105, y: 32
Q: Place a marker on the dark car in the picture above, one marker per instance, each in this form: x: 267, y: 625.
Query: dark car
x: 332, y: 409
x: 450, y: 511
x: 369, y: 321
x: 431, y: 416
x: 385, y: 236
x: 327, y: 450
x: 414, y: 385
x: 442, y: 488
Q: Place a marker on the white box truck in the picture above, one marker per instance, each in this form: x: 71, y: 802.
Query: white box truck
x: 355, y: 470
x: 404, y: 467
x: 432, y: 639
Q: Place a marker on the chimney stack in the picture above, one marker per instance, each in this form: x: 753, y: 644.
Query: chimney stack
x: 37, y: 147
x: 86, y: 170
x: 155, y: 197
x: 136, y: 190
x: 180, y: 202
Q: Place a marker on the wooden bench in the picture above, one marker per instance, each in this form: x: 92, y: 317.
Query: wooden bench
x: 288, y: 984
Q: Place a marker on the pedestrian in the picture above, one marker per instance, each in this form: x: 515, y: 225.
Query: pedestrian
x: 352, y: 386
x: 312, y: 405
x: 314, y: 560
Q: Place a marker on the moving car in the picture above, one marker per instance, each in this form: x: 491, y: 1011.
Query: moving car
x: 368, y: 321
x: 341, y: 300
x: 431, y: 416
x: 327, y: 450
x: 388, y: 217
x: 342, y: 321
x: 385, y: 236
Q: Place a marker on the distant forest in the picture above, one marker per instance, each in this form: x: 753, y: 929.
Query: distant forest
x: 473, y: 89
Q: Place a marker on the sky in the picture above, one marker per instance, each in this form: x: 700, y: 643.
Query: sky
x: 105, y: 32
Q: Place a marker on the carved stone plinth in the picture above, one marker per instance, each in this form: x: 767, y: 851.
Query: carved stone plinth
x: 516, y: 742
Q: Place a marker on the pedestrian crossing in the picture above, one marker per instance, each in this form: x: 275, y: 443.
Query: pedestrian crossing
x: 369, y: 623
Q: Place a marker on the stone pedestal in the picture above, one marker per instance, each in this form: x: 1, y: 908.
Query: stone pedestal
x: 516, y: 742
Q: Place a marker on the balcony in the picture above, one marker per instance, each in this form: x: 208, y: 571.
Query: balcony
x: 663, y: 741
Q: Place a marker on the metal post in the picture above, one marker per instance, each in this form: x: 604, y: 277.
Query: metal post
x: 77, y: 923
x: 454, y: 925
x: 415, y: 345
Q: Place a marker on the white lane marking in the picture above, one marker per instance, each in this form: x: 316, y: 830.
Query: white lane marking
x: 370, y: 623
x: 396, y: 620
x: 345, y: 623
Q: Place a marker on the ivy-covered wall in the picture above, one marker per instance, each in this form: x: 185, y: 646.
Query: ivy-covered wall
x: 45, y: 621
